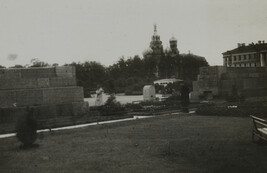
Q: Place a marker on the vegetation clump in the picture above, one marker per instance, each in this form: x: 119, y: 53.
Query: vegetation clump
x: 112, y: 107
x: 26, y: 128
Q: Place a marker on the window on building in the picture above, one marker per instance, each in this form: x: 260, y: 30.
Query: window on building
x: 234, y: 58
x: 249, y: 56
x: 245, y: 57
x: 239, y: 57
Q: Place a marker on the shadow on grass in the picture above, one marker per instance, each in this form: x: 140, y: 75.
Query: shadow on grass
x: 28, y: 147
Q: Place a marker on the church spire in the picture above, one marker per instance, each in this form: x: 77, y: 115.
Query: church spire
x: 155, y: 29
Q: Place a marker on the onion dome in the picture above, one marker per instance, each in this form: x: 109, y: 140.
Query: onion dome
x: 173, y: 39
x: 147, y: 51
x: 168, y: 50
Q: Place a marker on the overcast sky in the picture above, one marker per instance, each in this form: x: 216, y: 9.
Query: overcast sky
x: 65, y: 31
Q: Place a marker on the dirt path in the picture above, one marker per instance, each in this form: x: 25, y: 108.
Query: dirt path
x: 176, y: 143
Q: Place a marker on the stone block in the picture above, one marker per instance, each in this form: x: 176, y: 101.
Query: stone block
x: 7, y: 99
x: 64, y: 110
x: 80, y: 108
x: 44, y: 112
x: 254, y: 75
x: 29, y: 97
x: 65, y: 71
x: 38, y: 72
x: 62, y: 95
x: 62, y: 81
x: 43, y: 82
x: 255, y: 92
x: 13, y: 83
x: 255, y: 83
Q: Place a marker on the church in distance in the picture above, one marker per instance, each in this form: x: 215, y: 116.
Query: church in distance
x: 168, y: 62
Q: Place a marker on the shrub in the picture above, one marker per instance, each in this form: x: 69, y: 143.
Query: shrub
x: 134, y: 107
x: 111, y: 107
x: 26, y: 128
x: 174, y: 97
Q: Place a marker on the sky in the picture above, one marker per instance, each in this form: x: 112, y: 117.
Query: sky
x: 66, y: 31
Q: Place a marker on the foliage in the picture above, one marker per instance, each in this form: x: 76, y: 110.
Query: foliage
x: 37, y: 63
x: 134, y: 107
x: 174, y: 97
x: 26, y: 128
x: 89, y: 75
x: 130, y: 75
x: 112, y: 106
x: 17, y: 66
x: 2, y: 66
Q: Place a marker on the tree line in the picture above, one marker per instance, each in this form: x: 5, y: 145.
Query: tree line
x: 131, y: 74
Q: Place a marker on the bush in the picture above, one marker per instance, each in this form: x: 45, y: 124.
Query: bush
x: 174, y: 97
x: 111, y: 107
x: 134, y: 107
x: 26, y: 128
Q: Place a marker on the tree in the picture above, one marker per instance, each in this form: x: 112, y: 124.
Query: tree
x: 2, y: 66
x: 89, y: 74
x: 191, y: 64
x: 17, y: 66
x: 37, y: 63
x: 26, y: 128
x: 150, y: 65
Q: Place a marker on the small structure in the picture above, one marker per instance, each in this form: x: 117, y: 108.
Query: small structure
x: 165, y: 82
x: 149, y: 93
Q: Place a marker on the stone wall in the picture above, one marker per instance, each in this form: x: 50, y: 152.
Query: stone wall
x: 51, y: 91
x: 29, y: 78
x: 219, y: 80
x: 40, y: 96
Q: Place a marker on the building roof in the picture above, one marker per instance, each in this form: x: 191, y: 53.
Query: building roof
x: 168, y: 80
x: 246, y: 49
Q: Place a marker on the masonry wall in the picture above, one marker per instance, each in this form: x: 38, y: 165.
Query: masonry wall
x: 51, y: 91
x: 29, y: 78
x: 249, y: 81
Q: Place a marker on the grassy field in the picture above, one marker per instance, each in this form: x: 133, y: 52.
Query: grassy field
x: 177, y: 143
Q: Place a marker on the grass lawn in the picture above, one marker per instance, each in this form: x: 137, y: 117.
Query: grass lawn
x: 177, y: 143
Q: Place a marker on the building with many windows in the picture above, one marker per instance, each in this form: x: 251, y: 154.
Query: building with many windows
x: 252, y: 55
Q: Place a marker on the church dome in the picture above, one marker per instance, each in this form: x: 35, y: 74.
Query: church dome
x: 147, y: 51
x: 168, y: 50
x: 173, y: 38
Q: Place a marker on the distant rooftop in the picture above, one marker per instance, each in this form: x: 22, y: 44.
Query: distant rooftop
x: 242, y: 48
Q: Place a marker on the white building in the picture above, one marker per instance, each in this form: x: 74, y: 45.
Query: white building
x: 165, y: 82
